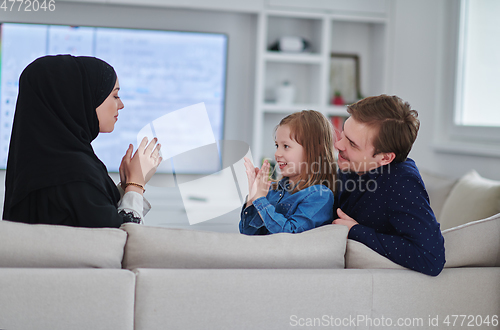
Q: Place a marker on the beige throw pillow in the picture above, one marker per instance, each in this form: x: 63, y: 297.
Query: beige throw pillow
x: 475, y: 244
x: 51, y: 246
x: 472, y: 198
x: 154, y: 247
x: 361, y: 256
x: 438, y: 188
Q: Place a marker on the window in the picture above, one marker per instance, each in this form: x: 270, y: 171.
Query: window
x: 477, y: 107
x: 468, y: 113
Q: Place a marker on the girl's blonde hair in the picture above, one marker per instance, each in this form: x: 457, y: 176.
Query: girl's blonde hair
x: 314, y: 132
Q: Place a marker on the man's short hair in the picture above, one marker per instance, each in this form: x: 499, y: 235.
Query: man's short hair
x: 397, y: 124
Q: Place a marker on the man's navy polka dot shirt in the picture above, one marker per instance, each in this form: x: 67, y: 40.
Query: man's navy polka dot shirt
x: 395, y: 219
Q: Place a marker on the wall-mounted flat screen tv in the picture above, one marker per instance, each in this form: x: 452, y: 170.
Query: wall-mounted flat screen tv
x: 159, y: 72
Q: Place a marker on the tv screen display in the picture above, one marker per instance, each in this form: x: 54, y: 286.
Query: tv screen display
x: 159, y: 72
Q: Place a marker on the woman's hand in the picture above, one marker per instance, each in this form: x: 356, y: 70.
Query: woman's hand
x: 261, y: 184
x: 123, y: 175
x: 140, y: 167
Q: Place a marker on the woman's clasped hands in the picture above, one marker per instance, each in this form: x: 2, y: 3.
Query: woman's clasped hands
x: 139, y: 168
x: 258, y: 180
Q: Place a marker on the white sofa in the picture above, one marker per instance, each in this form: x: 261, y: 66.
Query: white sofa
x: 140, y: 277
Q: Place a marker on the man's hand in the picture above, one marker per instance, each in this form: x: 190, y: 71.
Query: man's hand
x: 344, y: 219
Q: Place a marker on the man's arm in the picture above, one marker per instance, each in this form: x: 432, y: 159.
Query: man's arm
x: 417, y: 243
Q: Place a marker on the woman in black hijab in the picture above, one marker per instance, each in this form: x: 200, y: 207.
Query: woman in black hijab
x: 53, y: 175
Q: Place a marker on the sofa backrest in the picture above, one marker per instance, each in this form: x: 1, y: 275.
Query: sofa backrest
x: 50, y: 246
x: 154, y: 247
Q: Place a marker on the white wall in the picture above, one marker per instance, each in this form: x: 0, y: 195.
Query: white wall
x: 422, y: 74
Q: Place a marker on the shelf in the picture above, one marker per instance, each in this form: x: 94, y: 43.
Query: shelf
x: 288, y: 108
x: 305, y: 77
x: 331, y: 110
x: 310, y: 29
x: 336, y: 110
x: 306, y: 58
x: 351, y: 33
x: 367, y: 40
x: 358, y: 7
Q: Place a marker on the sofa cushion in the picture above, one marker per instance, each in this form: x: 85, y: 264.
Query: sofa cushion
x: 472, y: 198
x: 438, y: 188
x: 422, y: 302
x: 361, y: 256
x: 154, y: 247
x: 475, y: 244
x: 51, y: 246
x: 228, y: 299
x: 66, y: 299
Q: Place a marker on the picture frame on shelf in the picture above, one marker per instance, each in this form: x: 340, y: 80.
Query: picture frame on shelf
x: 344, y: 78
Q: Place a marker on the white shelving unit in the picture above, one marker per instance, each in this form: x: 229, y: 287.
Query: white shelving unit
x: 364, y: 34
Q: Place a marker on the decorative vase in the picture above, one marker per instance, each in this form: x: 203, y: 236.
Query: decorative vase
x: 285, y: 93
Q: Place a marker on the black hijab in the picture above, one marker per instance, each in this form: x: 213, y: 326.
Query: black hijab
x: 54, y: 123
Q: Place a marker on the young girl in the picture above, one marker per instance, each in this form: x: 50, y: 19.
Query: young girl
x: 302, y: 199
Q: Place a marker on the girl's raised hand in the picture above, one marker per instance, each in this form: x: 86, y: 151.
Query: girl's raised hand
x: 251, y: 172
x: 261, y: 184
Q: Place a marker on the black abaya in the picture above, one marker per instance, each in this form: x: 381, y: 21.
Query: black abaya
x: 53, y: 175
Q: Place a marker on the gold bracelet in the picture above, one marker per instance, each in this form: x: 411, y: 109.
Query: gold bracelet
x: 135, y: 184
